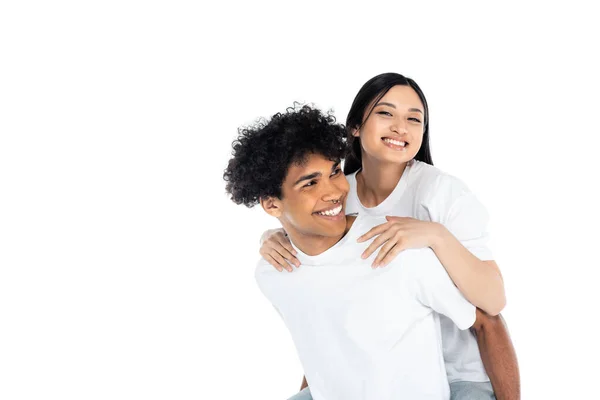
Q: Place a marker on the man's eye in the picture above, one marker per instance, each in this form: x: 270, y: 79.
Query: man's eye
x: 336, y: 172
x: 311, y: 183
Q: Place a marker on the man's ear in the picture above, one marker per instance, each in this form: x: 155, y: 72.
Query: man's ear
x: 272, y: 206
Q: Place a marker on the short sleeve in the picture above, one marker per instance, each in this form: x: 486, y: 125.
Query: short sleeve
x: 435, y: 289
x: 467, y: 219
x: 452, y: 204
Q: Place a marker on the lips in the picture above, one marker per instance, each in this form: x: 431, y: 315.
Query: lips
x: 395, y: 144
x: 330, y: 212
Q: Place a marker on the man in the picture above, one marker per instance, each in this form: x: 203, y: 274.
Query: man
x: 360, y: 333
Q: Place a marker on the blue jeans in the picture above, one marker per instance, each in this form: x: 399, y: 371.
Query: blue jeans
x: 304, y: 394
x: 458, y: 391
x: 464, y: 390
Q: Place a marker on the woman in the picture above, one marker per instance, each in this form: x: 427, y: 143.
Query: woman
x: 391, y: 173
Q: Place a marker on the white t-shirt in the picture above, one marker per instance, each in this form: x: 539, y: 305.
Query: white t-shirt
x: 362, y: 333
x: 426, y: 193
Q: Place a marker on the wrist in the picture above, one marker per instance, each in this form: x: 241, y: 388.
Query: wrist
x: 438, y: 235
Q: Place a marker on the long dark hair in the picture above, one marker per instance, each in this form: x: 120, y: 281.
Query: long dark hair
x: 372, y: 92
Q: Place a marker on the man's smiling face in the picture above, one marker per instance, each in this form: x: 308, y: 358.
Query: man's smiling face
x: 313, y: 198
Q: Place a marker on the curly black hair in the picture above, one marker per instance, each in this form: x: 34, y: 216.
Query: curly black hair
x: 264, y: 151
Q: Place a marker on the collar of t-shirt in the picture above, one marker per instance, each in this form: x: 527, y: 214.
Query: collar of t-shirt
x: 386, y: 207
x: 344, y: 250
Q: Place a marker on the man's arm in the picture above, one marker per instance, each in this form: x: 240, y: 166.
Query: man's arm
x: 304, y: 383
x: 498, y: 355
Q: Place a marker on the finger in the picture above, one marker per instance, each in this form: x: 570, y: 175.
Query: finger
x: 284, y: 241
x: 279, y: 238
x: 391, y: 255
x: 392, y: 218
x: 379, y: 229
x: 378, y: 242
x: 285, y: 253
x: 274, y: 263
x: 284, y: 264
x: 384, y: 251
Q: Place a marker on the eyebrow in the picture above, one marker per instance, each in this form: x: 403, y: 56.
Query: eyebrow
x: 315, y: 174
x: 307, y: 177
x: 383, y: 103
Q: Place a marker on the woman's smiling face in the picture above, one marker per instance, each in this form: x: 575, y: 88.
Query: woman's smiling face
x: 393, y: 132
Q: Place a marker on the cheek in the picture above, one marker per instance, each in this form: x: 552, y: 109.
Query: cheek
x: 371, y: 128
x: 416, y: 132
x: 369, y: 135
x: 344, y: 186
x: 419, y: 137
x: 301, y: 207
x: 416, y: 144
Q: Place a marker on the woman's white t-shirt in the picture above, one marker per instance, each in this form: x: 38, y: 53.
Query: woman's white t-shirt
x: 426, y: 193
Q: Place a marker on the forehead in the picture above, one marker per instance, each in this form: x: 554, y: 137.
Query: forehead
x: 311, y: 163
x: 401, y: 95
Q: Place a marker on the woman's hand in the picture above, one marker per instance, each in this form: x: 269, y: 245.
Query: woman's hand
x: 277, y: 249
x: 399, y: 233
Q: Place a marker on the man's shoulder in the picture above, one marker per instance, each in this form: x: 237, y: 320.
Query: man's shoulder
x: 421, y: 262
x: 425, y: 255
x: 264, y: 270
x: 364, y: 222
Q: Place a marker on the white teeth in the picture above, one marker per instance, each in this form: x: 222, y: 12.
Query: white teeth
x: 333, y: 212
x: 396, y: 142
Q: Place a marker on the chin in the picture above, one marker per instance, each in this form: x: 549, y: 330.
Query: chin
x: 333, y: 229
x: 339, y: 229
x: 398, y: 158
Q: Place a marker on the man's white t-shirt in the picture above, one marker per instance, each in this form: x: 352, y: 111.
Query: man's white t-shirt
x: 426, y: 193
x: 364, y: 333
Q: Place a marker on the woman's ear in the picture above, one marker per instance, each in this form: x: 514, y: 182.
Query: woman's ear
x: 272, y: 206
x: 355, y: 132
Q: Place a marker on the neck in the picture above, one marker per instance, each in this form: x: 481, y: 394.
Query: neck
x: 377, y: 180
x: 313, y: 245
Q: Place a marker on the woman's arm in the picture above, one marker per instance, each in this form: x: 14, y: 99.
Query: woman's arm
x: 479, y: 281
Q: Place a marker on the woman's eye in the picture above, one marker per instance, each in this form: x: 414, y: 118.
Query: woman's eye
x: 384, y: 113
x: 415, y: 119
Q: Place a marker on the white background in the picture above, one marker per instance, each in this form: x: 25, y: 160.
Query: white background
x: 125, y: 271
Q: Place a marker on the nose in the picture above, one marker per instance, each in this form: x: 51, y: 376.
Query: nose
x: 399, y: 126
x: 332, y: 193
